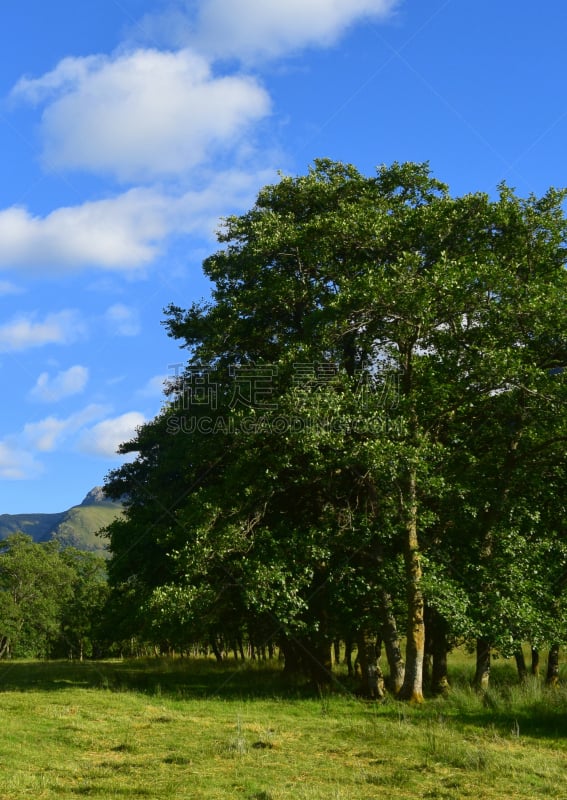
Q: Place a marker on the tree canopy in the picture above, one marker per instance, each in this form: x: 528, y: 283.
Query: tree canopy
x: 370, y: 422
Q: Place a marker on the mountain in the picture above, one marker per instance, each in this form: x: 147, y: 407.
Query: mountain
x: 75, y: 527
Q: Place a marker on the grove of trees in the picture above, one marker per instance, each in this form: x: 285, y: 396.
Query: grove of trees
x: 51, y: 600
x: 367, y: 441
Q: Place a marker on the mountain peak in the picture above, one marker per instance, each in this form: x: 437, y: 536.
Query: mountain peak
x: 95, y: 497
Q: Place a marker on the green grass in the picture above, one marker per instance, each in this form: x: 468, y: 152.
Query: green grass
x: 193, y: 729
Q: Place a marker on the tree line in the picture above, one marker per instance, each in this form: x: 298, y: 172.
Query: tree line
x: 52, y: 600
x: 366, y: 443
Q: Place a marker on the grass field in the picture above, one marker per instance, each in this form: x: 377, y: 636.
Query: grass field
x: 194, y: 729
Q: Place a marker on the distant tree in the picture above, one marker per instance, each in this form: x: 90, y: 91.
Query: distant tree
x: 82, y: 614
x: 35, y: 585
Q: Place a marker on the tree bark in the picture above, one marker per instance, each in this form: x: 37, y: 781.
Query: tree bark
x: 4, y: 646
x: 552, y: 677
x: 372, y: 680
x: 348, y: 655
x: 412, y: 687
x: 319, y: 661
x: 521, y: 665
x: 292, y: 657
x: 535, y: 662
x: 337, y: 651
x: 439, y: 650
x: 215, y: 648
x: 392, y: 644
x: 482, y: 674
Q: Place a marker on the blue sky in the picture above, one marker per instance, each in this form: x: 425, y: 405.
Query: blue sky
x: 128, y: 128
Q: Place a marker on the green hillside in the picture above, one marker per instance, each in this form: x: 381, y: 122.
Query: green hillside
x: 38, y: 526
x: 76, y: 527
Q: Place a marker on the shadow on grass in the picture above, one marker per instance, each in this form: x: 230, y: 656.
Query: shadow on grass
x: 507, y: 709
x: 179, y: 678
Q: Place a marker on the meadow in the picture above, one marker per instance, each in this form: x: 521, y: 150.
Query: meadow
x: 164, y: 729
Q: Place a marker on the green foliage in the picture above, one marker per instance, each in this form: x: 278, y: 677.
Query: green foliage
x: 379, y: 379
x: 35, y: 584
x: 51, y: 600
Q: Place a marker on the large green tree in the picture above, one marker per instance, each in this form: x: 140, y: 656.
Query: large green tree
x: 364, y: 337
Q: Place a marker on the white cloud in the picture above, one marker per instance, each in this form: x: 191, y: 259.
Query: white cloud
x: 104, y: 438
x: 251, y: 29
x: 124, y: 233
x: 123, y: 320
x: 16, y: 463
x: 255, y: 29
x: 49, y: 432
x: 26, y: 331
x: 141, y: 115
x: 117, y: 233
x: 65, y: 383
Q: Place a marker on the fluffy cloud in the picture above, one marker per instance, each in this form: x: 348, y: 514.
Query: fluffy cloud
x: 124, y: 233
x: 255, y: 29
x: 117, y: 233
x: 26, y: 331
x: 251, y: 29
x: 123, y: 320
x: 141, y: 115
x: 46, y: 434
x: 104, y: 438
x: 65, y: 383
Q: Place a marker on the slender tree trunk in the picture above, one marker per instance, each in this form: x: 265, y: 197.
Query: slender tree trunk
x: 337, y: 651
x: 552, y: 677
x: 482, y: 674
x: 439, y: 650
x: 427, y: 662
x: 412, y: 687
x: 535, y: 662
x: 521, y: 665
x: 348, y: 655
x: 215, y: 648
x: 372, y: 680
x: 392, y: 644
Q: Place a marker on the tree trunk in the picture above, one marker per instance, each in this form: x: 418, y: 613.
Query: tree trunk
x: 337, y: 651
x: 372, y: 680
x: 482, y: 674
x: 412, y: 687
x: 4, y: 646
x: 521, y: 665
x: 348, y: 655
x: 552, y: 677
x: 392, y: 645
x: 292, y: 657
x: 319, y: 660
x: 535, y: 662
x: 215, y: 649
x: 439, y: 650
